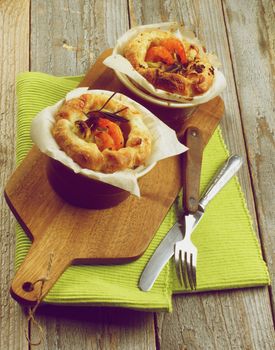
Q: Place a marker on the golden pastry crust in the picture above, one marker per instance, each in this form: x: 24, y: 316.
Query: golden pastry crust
x: 137, y: 48
x: 178, y: 67
x: 79, y: 140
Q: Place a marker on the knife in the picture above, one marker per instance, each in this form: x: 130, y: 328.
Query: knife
x: 165, y: 250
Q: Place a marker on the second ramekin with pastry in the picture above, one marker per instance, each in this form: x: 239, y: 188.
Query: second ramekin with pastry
x: 167, y: 65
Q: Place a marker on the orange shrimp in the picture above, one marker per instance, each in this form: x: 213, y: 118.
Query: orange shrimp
x: 159, y: 54
x: 103, y: 140
x: 173, y: 45
x: 109, y: 136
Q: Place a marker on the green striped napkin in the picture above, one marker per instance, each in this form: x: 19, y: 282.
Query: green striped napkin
x: 229, y: 253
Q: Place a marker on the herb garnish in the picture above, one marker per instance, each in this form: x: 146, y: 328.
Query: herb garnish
x: 177, y: 67
x: 93, y: 116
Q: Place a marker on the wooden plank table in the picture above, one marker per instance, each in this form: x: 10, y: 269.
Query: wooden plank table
x: 64, y: 38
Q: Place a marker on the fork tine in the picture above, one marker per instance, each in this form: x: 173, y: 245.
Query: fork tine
x: 194, y: 272
x: 193, y: 269
x: 189, y: 269
x: 183, y: 269
x: 178, y: 265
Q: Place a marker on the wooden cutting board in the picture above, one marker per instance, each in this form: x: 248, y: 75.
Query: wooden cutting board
x: 63, y: 234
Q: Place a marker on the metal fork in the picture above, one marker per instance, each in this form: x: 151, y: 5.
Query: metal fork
x: 186, y: 259
x: 185, y: 251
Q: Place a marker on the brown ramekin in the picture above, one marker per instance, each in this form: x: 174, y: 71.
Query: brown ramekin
x: 80, y: 190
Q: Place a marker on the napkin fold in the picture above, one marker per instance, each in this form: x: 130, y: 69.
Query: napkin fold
x: 229, y: 252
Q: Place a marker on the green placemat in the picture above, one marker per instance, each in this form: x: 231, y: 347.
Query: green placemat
x: 229, y: 253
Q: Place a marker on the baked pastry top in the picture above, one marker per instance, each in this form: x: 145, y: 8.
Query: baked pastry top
x: 102, y: 133
x: 170, y: 64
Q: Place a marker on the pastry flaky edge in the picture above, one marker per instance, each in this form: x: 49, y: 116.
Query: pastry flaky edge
x: 86, y: 153
x: 197, y: 79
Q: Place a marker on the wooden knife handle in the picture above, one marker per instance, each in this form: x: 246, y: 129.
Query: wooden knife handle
x: 191, y: 169
x: 206, y: 117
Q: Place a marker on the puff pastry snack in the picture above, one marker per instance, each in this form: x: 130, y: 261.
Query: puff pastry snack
x: 101, y: 133
x: 170, y: 64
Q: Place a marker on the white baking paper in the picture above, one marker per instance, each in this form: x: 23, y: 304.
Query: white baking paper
x: 120, y: 64
x: 165, y: 143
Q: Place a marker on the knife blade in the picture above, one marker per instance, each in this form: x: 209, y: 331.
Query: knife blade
x: 165, y: 250
x: 160, y: 257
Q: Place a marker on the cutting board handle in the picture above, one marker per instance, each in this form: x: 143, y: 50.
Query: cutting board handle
x: 43, y: 265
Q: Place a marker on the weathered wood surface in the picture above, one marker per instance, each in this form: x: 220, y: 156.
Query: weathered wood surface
x: 256, y: 96
x: 65, y: 39
x: 219, y: 321
x: 14, y: 57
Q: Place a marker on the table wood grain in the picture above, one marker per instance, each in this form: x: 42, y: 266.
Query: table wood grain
x: 64, y: 37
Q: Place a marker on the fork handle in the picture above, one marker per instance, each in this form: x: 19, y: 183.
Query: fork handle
x: 231, y: 166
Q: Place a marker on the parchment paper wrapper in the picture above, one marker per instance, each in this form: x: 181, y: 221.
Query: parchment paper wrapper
x: 165, y: 143
x: 120, y: 64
